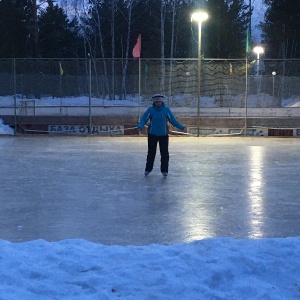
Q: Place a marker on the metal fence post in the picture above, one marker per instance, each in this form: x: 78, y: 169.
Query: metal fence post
x: 15, y: 96
x: 246, y: 97
x: 90, y: 95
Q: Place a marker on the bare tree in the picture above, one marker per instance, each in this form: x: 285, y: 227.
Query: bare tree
x: 130, y: 5
x: 98, y: 21
x: 162, y: 41
x: 172, y: 49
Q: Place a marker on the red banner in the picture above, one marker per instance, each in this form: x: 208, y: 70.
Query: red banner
x: 136, y: 52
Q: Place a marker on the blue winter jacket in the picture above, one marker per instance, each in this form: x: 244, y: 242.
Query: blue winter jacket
x: 159, y: 117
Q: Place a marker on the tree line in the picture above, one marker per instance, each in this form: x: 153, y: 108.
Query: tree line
x: 281, y: 29
x: 109, y: 29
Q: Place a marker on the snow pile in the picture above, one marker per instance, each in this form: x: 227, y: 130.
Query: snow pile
x: 292, y: 102
x: 82, y: 101
x: 5, y: 129
x: 219, y: 268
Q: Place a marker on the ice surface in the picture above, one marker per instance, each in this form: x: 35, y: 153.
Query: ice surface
x: 93, y: 188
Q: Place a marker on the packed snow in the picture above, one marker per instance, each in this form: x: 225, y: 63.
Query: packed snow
x: 216, y: 268
x: 82, y: 103
x: 5, y: 129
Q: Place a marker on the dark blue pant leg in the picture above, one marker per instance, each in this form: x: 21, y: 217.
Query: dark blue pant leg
x: 152, y: 145
x: 164, y: 152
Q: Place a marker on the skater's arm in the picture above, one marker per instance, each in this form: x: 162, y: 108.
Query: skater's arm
x: 173, y: 121
x: 144, y: 119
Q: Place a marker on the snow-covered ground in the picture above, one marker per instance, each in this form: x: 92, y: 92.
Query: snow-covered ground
x: 253, y: 100
x: 46, y: 103
x: 218, y: 268
x: 80, y: 105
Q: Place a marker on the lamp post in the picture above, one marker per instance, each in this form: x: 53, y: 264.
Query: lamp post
x: 199, y: 16
x: 273, y: 75
x: 258, y: 50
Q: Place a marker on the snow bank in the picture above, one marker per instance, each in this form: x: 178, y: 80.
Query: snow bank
x: 5, y: 129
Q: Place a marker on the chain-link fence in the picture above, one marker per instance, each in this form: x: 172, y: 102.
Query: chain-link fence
x: 82, y: 86
x: 222, y: 80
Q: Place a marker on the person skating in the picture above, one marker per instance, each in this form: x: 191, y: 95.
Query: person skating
x: 159, y: 115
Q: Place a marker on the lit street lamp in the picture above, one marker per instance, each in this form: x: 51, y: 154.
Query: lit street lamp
x: 258, y: 50
x: 273, y: 75
x: 199, y: 16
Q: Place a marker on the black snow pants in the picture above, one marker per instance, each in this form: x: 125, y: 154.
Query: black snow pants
x: 164, y: 152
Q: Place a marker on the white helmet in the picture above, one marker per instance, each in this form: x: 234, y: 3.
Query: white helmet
x: 158, y: 98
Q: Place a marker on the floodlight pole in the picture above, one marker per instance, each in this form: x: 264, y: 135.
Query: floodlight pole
x: 246, y: 96
x: 199, y: 77
x: 199, y: 17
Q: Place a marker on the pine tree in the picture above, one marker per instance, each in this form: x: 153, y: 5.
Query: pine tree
x: 56, y: 38
x: 224, y: 34
x: 15, y: 21
x: 281, y: 29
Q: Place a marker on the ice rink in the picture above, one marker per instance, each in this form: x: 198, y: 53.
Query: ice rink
x: 93, y: 188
